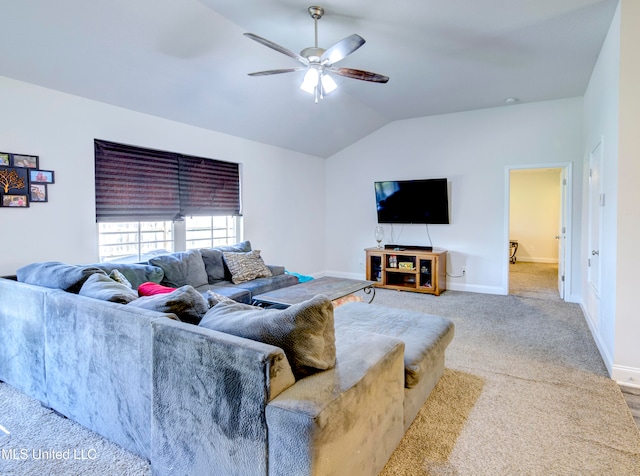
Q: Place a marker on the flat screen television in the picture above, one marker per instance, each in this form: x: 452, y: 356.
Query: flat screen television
x: 413, y: 201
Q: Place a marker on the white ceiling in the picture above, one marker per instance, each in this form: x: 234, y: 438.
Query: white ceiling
x: 187, y: 60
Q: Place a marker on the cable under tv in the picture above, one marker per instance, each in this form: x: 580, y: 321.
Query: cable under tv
x: 408, y: 247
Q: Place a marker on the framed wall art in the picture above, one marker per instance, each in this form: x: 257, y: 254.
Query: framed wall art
x: 26, y: 161
x: 41, y: 176
x: 22, y: 182
x: 38, y: 192
x: 15, y: 201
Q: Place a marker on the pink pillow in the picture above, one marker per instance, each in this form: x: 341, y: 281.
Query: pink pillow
x: 151, y: 289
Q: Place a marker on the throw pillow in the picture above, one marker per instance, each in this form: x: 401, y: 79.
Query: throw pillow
x: 182, y: 268
x: 151, y: 289
x: 246, y: 266
x: 242, y: 247
x: 214, y: 298
x: 101, y: 286
x: 185, y: 302
x: 213, y: 264
x: 56, y: 275
x: 118, y: 277
x: 304, y: 331
x: 135, y: 273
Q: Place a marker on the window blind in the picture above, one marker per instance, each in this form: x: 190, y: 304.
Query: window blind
x: 138, y: 184
x: 208, y: 187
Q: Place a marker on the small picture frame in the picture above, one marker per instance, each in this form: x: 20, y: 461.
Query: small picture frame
x: 41, y: 176
x: 26, y: 161
x: 15, y: 201
x: 5, y: 159
x: 38, y: 193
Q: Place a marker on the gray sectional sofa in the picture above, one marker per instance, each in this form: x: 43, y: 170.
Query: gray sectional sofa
x: 314, y: 391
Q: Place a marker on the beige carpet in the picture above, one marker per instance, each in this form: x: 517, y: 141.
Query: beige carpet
x: 525, y: 378
x: 525, y: 393
x: 534, y: 280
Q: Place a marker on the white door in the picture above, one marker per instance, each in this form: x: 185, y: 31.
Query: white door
x: 596, y: 202
x: 562, y: 232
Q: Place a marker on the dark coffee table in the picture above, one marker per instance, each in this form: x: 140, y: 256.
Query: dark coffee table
x: 331, y: 287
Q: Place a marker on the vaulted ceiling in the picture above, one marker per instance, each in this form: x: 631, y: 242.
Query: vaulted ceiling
x: 187, y: 60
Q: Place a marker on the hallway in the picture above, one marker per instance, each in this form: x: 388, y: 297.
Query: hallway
x: 534, y: 280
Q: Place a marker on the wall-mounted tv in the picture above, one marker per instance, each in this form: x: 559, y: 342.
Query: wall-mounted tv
x: 413, y: 201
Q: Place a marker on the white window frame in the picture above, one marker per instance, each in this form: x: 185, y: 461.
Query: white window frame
x: 178, y: 240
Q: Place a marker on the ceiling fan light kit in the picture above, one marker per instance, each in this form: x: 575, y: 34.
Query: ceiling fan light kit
x: 319, y: 62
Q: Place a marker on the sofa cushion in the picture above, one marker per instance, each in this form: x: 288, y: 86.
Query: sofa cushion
x: 246, y: 266
x: 303, y: 331
x: 151, y: 289
x: 56, y: 275
x: 425, y: 335
x: 182, y: 268
x: 136, y: 273
x: 101, y: 286
x: 265, y: 285
x: 185, y: 302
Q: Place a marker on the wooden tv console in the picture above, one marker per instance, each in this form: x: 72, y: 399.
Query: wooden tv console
x: 408, y: 269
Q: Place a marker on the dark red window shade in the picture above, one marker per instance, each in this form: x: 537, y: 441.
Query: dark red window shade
x: 208, y: 187
x: 137, y: 184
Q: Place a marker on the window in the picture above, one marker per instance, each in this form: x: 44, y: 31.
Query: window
x: 206, y: 232
x: 130, y: 241
x: 149, y: 200
x: 133, y: 239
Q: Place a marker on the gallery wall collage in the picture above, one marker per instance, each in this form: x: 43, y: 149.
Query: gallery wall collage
x: 22, y: 182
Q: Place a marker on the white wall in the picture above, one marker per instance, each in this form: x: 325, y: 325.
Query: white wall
x: 611, y: 117
x: 534, y: 214
x: 601, y: 127
x: 60, y: 128
x: 627, y: 355
x: 472, y: 150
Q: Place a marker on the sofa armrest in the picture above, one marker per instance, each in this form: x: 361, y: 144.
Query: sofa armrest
x: 276, y: 270
x: 210, y: 390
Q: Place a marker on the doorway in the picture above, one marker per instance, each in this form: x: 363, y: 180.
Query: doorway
x: 538, y: 210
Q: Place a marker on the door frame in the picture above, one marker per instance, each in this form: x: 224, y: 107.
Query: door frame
x: 568, y: 207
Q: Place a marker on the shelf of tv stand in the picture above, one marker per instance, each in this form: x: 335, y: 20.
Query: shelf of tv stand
x: 407, y: 269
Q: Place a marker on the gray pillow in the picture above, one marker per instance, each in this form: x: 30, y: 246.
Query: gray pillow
x: 56, y: 275
x: 118, y: 277
x: 214, y: 298
x: 246, y: 266
x: 135, y: 273
x: 100, y: 286
x: 213, y: 264
x: 242, y: 247
x: 185, y: 302
x: 182, y: 268
x: 216, y: 268
x: 304, y: 331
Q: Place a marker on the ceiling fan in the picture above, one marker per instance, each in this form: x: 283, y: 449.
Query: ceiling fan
x: 318, y: 62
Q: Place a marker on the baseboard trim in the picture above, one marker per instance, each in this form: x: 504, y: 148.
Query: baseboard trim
x: 471, y: 288
x: 627, y: 376
x: 533, y: 259
x: 604, y: 353
x: 475, y: 288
